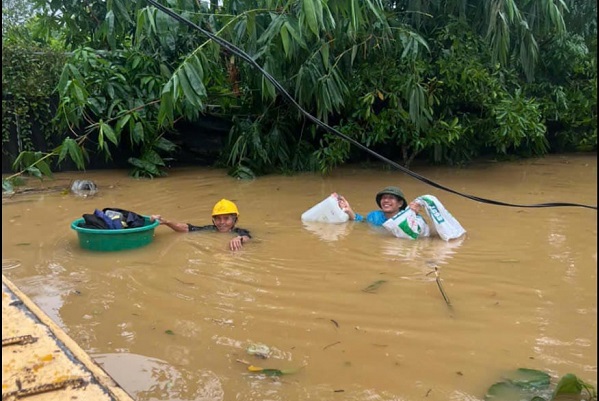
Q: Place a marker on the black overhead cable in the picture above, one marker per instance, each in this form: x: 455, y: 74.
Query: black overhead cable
x: 244, y: 56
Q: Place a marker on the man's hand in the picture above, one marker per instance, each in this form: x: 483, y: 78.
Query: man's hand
x: 236, y: 243
x: 157, y: 217
x: 345, y: 206
x: 415, y: 206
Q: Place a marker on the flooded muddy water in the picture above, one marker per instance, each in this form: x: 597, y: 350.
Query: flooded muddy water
x: 174, y: 320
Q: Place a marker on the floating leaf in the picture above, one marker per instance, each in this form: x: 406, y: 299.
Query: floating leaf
x: 568, y: 384
x: 529, y: 378
x: 521, y: 384
x: 374, y: 286
x: 170, y: 332
x: 273, y: 372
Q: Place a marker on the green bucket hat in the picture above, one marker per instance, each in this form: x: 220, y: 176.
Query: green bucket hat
x: 391, y: 191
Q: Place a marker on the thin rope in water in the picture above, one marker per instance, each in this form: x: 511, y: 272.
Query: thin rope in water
x: 246, y: 57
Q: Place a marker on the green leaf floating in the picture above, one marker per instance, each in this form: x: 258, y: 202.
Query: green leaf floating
x: 530, y: 378
x: 569, y: 384
x: 521, y: 384
x: 533, y: 385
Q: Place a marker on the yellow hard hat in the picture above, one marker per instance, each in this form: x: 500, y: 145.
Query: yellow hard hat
x: 225, y: 206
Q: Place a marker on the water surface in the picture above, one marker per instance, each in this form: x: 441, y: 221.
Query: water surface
x: 171, y: 321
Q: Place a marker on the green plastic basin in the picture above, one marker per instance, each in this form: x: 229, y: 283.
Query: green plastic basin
x: 114, y: 240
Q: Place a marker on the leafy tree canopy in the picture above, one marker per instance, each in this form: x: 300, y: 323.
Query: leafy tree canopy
x: 444, y: 80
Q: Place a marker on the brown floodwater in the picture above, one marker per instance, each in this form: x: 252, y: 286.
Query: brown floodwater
x: 173, y: 320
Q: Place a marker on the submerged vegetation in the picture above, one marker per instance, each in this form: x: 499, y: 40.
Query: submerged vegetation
x: 444, y: 82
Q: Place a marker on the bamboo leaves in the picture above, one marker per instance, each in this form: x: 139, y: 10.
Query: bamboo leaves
x: 420, y: 110
x: 268, y: 90
x: 186, y: 84
x: 354, y: 15
x: 285, y: 40
x: 292, y: 27
x: 146, y: 23
x: 70, y: 147
x: 310, y: 15
x: 106, y: 131
x: 513, y: 27
x: 34, y: 163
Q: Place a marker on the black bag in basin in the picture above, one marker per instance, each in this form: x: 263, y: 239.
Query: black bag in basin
x: 131, y: 219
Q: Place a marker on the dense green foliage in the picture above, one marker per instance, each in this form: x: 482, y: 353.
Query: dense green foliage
x: 27, y: 100
x: 443, y: 81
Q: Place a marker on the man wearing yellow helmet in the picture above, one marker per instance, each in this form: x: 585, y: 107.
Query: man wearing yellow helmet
x: 224, y: 218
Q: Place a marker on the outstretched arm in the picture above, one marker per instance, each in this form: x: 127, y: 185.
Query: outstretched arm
x: 179, y: 227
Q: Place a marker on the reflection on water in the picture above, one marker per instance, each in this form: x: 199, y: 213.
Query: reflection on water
x: 8, y: 264
x: 327, y: 231
x: 152, y: 379
x: 432, y: 250
x: 171, y: 320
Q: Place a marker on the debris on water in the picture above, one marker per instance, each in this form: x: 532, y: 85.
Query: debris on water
x: 273, y: 372
x: 84, y: 188
x: 223, y: 321
x: 330, y: 345
x: 259, y: 350
x: 438, y: 280
x: 374, y: 286
x: 269, y: 371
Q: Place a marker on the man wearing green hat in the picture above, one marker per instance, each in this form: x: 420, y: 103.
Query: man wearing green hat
x: 390, y: 200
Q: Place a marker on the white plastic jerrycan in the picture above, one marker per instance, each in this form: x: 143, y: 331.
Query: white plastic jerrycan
x: 327, y: 211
